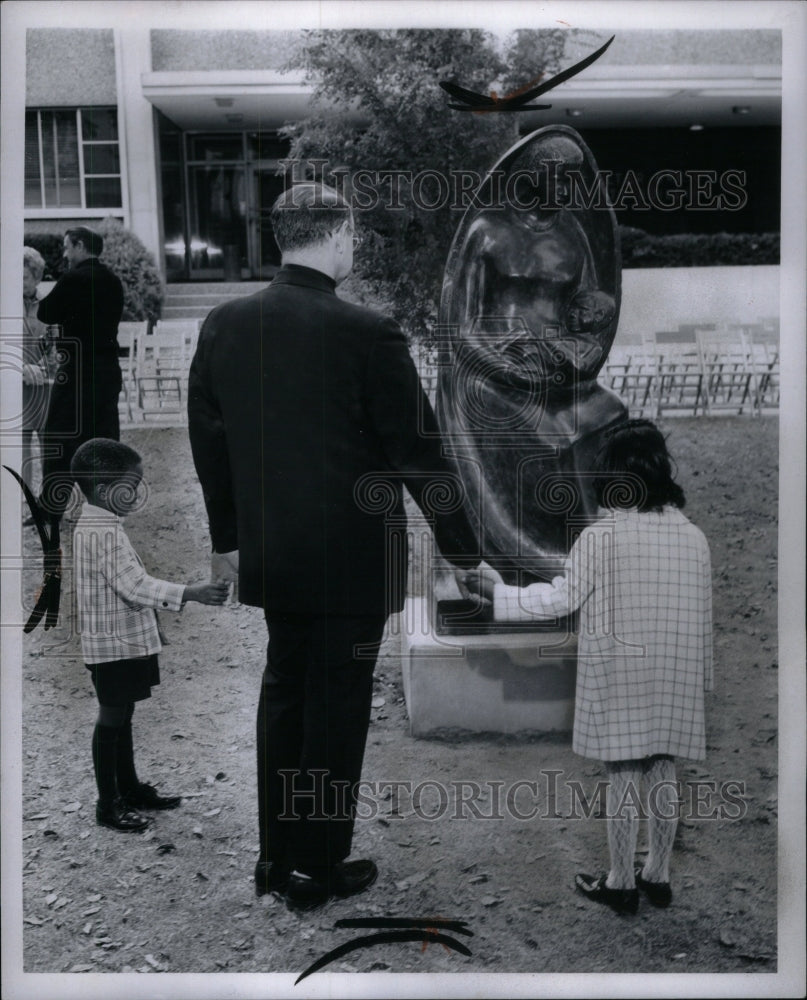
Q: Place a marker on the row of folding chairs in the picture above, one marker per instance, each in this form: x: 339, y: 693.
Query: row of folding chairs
x: 155, y: 366
x: 698, y: 368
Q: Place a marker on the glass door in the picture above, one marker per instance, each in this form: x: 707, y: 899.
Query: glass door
x: 218, y: 222
x: 266, y: 185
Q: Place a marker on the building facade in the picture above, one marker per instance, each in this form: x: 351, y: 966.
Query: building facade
x: 175, y: 132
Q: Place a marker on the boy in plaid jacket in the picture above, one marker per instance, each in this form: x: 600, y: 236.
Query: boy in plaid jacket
x: 120, y: 636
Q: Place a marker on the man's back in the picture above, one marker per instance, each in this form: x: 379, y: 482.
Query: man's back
x: 324, y: 415
x: 87, y: 302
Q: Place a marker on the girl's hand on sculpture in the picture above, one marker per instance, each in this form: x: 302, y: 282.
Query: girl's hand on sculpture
x: 481, y: 582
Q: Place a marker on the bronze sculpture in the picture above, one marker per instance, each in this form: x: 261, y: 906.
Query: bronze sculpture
x: 529, y: 310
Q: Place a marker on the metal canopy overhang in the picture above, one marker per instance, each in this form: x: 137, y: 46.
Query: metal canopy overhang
x: 616, y: 97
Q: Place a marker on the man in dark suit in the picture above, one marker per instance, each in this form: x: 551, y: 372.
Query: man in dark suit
x: 87, y: 302
x: 306, y: 418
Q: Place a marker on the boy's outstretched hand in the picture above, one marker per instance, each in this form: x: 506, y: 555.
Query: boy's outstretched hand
x: 207, y: 593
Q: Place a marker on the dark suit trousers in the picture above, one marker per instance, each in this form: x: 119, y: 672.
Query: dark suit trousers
x: 313, y: 716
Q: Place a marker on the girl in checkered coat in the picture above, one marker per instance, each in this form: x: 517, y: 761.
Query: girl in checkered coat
x: 641, y: 578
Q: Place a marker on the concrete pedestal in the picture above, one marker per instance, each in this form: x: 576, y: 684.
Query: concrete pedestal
x: 503, y: 683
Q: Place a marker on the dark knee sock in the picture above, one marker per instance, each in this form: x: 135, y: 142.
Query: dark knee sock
x: 127, y: 774
x: 104, y: 758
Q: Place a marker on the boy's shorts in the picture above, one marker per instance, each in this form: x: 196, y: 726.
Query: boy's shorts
x: 118, y: 682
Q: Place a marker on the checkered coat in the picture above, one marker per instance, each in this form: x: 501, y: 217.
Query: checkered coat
x: 642, y: 582
x: 116, y: 599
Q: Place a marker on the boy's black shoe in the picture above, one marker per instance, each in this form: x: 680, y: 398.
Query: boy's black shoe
x: 271, y: 877
x: 147, y: 797
x: 620, y: 900
x: 345, y: 879
x: 658, y: 893
x: 117, y: 815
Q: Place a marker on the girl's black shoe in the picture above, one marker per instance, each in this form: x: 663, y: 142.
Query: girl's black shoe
x: 620, y: 900
x: 658, y: 893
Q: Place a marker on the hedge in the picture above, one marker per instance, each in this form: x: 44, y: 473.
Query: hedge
x: 640, y: 249
x: 50, y: 247
x: 124, y: 254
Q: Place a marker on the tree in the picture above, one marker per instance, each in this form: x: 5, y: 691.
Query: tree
x: 382, y: 127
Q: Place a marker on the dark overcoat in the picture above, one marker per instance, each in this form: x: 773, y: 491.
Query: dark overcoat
x: 307, y: 418
x: 87, y: 302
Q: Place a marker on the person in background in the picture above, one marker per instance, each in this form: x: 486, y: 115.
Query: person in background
x: 87, y: 303
x: 37, y: 363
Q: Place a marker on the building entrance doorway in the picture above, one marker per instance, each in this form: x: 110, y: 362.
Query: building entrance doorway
x: 265, y: 187
x: 218, y: 189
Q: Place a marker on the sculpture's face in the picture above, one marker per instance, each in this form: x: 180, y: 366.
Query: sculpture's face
x: 583, y: 315
x: 546, y: 174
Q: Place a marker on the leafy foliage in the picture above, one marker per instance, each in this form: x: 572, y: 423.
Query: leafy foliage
x: 50, y: 246
x: 378, y: 108
x: 125, y: 254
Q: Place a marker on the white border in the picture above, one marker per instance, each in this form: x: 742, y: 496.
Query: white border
x: 791, y: 18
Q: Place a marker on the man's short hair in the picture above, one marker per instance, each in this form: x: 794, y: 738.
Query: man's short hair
x: 93, y: 242
x: 101, y: 460
x: 306, y: 213
x: 33, y: 262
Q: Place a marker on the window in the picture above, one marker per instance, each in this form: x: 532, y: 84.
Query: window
x: 72, y: 159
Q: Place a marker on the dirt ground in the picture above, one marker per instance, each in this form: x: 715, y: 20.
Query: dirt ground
x: 180, y: 898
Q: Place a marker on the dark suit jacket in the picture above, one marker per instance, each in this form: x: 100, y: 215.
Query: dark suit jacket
x: 306, y: 418
x: 87, y: 301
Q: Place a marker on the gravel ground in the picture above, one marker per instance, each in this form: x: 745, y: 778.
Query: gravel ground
x: 179, y: 899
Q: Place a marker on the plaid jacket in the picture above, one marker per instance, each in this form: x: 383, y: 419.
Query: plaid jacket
x: 114, y: 594
x: 642, y: 583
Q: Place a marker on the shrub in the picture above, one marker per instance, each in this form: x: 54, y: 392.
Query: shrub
x: 640, y: 249
x: 125, y: 254
x: 50, y: 246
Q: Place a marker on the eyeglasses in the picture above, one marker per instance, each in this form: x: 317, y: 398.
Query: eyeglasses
x: 355, y: 237
x: 357, y: 240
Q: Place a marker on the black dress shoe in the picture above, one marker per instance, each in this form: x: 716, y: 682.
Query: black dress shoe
x: 620, y: 900
x: 271, y: 877
x: 147, y: 797
x: 658, y: 893
x: 117, y: 815
x: 345, y: 879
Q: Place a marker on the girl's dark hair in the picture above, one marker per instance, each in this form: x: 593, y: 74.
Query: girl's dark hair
x: 634, y: 469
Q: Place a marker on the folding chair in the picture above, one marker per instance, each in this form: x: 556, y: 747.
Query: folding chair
x: 630, y: 371
x: 129, y: 336
x: 189, y: 328
x: 425, y: 362
x: 679, y: 374
x: 727, y: 367
x: 763, y: 348
x: 161, y: 366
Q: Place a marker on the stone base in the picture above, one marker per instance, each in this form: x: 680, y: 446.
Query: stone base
x: 504, y: 683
